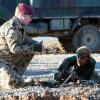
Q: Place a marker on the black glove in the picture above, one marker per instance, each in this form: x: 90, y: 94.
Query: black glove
x: 36, y: 46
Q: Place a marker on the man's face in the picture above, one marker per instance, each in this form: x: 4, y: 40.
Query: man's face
x: 84, y: 59
x: 26, y: 19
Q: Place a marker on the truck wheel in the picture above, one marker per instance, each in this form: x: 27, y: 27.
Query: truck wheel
x: 89, y: 36
x: 66, y: 44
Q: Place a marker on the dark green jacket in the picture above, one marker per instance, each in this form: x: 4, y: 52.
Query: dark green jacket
x: 72, y: 61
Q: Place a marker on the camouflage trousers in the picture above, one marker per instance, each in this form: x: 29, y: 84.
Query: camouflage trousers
x: 11, y: 75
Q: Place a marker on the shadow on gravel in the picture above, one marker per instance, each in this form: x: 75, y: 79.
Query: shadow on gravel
x: 39, y: 72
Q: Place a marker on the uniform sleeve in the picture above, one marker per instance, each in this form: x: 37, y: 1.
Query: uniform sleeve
x: 63, y: 65
x: 67, y: 63
x: 15, y: 42
x: 89, y: 72
x: 36, y: 46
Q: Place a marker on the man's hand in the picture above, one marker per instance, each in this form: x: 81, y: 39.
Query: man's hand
x: 36, y: 46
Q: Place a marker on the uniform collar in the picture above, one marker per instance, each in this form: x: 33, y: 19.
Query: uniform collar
x: 18, y: 22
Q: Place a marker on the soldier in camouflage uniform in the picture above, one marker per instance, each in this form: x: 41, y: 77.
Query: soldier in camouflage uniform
x: 83, y: 64
x: 16, y: 48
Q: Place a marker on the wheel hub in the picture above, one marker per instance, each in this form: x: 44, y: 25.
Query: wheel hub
x: 88, y: 39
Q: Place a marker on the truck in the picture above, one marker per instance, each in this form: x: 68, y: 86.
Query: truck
x: 74, y: 22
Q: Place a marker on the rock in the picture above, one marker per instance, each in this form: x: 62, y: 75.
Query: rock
x: 56, y: 98
x: 13, y: 97
x: 30, y: 97
x: 25, y: 97
x: 46, y: 95
x: 2, y: 98
x: 33, y: 96
x: 84, y: 98
x: 68, y: 98
x: 38, y: 98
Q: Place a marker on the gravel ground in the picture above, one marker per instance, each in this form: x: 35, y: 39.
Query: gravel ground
x: 44, y: 66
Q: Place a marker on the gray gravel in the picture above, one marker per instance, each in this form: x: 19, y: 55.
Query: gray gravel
x: 45, y: 66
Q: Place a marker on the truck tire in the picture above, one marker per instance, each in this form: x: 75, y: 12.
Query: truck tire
x: 66, y: 43
x: 89, y: 36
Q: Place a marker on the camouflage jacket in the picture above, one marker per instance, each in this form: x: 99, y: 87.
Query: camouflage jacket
x: 14, y: 42
x: 72, y: 61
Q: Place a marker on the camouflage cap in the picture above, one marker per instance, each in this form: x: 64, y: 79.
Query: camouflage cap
x: 83, y: 50
x: 25, y: 9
